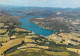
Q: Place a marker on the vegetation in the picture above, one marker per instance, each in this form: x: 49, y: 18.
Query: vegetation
x: 16, y: 41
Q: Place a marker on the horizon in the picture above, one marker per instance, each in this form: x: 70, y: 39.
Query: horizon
x: 43, y: 3
x: 37, y: 6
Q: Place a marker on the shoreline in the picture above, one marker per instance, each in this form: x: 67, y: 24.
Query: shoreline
x: 45, y: 27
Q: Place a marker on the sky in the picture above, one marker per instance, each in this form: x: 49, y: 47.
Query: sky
x: 43, y: 3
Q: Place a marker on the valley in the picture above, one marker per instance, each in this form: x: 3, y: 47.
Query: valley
x: 16, y: 38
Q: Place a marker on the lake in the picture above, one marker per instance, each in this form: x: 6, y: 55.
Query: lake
x: 26, y: 24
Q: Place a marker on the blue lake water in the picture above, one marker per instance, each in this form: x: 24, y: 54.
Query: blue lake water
x: 32, y: 26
